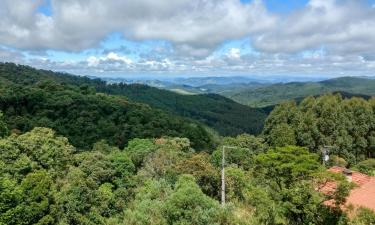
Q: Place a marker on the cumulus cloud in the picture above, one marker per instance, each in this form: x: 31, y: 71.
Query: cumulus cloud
x: 234, y: 53
x: 325, y: 36
x: 193, y: 26
x: 343, y: 26
x: 111, y: 58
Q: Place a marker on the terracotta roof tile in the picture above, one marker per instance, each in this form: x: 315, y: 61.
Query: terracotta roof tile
x: 362, y: 195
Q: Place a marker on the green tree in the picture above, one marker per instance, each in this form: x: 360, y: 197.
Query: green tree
x: 40, y: 148
x: 148, y: 206
x: 286, y: 177
x: 241, y: 152
x: 161, y: 164
x: 282, y: 135
x: 363, y: 216
x: 29, y: 202
x: 366, y: 166
x: 138, y: 149
x: 3, y: 126
x: 188, y: 205
x: 286, y: 165
x: 205, y: 174
x: 346, y: 124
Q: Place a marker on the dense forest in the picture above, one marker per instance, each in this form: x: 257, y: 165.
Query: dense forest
x: 222, y: 114
x: 72, y: 155
x: 346, y: 125
x: 27, y: 101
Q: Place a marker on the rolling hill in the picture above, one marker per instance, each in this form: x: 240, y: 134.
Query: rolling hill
x: 224, y: 115
x: 70, y: 105
x: 220, y: 113
x: 273, y: 94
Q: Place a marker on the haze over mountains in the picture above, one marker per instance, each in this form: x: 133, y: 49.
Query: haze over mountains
x: 261, y: 92
x: 187, y: 112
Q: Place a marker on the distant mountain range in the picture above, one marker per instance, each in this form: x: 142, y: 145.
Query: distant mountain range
x: 262, y: 93
x: 229, y: 105
x: 222, y: 114
x: 268, y: 95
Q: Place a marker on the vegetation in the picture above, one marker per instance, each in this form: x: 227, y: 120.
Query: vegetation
x: 45, y: 180
x: 224, y: 115
x: 347, y: 126
x: 367, y: 167
x: 70, y: 155
x: 274, y: 94
x: 86, y: 117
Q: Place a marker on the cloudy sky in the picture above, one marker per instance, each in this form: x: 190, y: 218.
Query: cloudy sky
x: 191, y: 37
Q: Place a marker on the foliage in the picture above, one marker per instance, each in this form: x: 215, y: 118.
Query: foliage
x: 188, y: 205
x: 239, y: 150
x: 162, y: 163
x: 367, y: 167
x: 363, y: 216
x: 286, y: 165
x: 284, y: 188
x: 137, y: 165
x: 3, y: 126
x: 148, y: 205
x: 139, y: 149
x: 347, y: 125
x: 205, y: 174
x: 335, y: 160
x: 73, y: 113
x: 222, y: 114
x: 31, y: 163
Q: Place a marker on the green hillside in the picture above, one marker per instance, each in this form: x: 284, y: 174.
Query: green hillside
x: 34, y: 98
x: 74, y: 154
x: 276, y: 93
x: 218, y: 112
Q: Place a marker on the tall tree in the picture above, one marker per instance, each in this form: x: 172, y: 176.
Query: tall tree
x: 3, y: 126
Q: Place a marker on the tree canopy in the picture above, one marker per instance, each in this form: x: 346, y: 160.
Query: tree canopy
x: 347, y: 126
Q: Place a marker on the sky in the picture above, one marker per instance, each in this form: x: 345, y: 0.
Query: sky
x: 120, y: 38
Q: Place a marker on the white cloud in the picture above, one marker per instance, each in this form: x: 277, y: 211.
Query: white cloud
x: 325, y: 36
x: 115, y: 57
x: 93, y: 61
x: 340, y: 26
x: 111, y: 58
x: 234, y: 53
x: 193, y: 26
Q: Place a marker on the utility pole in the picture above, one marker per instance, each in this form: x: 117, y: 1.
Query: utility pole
x: 223, y: 175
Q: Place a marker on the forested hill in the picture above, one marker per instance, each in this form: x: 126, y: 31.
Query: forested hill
x: 26, y: 75
x: 32, y: 98
x: 222, y: 114
x: 276, y: 93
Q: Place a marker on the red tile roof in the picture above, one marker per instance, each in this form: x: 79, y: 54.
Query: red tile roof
x: 357, y: 177
x: 362, y: 195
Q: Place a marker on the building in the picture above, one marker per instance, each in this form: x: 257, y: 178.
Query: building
x: 362, y: 195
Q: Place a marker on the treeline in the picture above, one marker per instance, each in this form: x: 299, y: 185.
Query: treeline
x: 111, y: 161
x: 222, y: 114
x: 86, y: 117
x: 345, y: 126
x: 45, y: 180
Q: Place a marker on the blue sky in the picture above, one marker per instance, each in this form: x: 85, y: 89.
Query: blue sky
x: 191, y: 38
